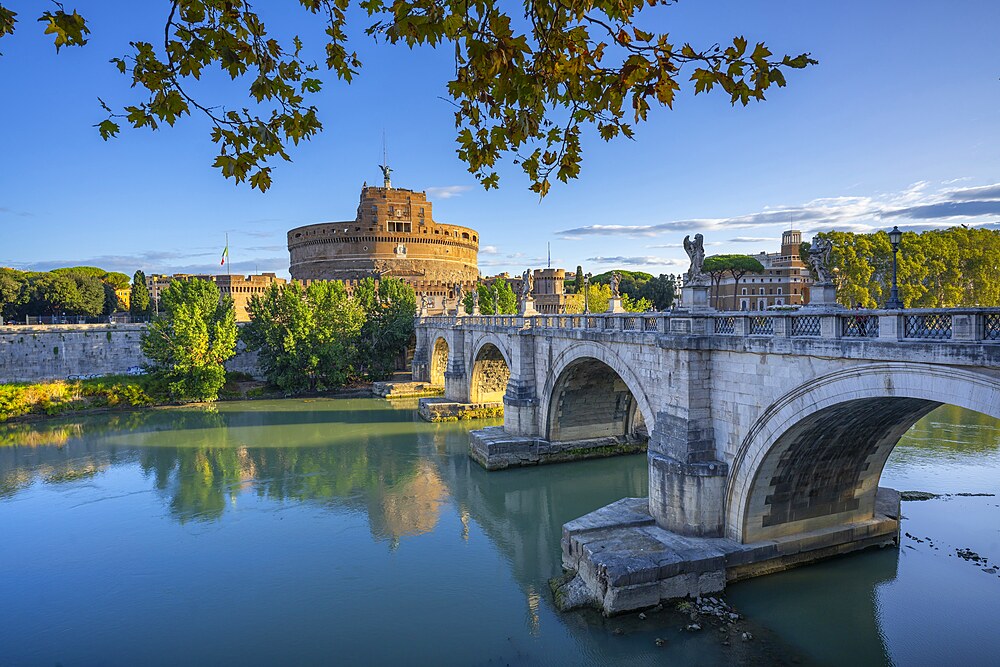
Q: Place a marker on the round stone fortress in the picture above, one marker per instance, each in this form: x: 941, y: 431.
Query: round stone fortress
x: 394, y: 234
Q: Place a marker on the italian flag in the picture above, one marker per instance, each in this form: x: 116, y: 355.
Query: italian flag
x: 225, y: 254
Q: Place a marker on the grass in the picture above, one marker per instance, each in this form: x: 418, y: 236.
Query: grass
x: 124, y: 392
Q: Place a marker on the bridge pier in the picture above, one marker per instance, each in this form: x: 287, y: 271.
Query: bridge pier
x: 622, y: 561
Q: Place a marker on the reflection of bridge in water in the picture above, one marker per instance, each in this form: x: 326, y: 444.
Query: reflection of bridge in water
x: 768, y: 432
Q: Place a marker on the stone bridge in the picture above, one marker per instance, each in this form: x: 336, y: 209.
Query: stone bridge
x: 767, y: 432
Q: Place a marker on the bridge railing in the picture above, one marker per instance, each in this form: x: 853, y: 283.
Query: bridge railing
x: 953, y: 324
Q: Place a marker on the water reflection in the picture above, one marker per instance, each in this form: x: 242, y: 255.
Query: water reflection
x: 378, y: 518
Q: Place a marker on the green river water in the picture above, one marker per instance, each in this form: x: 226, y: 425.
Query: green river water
x: 348, y: 532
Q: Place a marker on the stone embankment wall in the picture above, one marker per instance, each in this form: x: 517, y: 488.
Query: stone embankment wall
x: 57, y: 352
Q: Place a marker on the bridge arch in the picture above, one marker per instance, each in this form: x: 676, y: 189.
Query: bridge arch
x: 590, y: 392
x: 490, y: 371
x: 439, y: 361
x: 813, y: 459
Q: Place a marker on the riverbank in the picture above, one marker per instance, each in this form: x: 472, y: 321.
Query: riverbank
x: 39, y: 401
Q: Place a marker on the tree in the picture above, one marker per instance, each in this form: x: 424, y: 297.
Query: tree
x: 50, y: 294
x: 89, y: 300
x: 660, y: 291
x: 631, y: 282
x: 737, y: 266
x: 939, y: 268
x: 306, y: 337
x: 524, y: 86
x: 139, y: 296
x: 715, y: 267
x: 192, y: 339
x: 389, y: 309
x: 578, y: 282
x: 12, y: 293
x: 506, y: 299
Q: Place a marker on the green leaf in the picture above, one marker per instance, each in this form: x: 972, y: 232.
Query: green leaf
x: 108, y: 129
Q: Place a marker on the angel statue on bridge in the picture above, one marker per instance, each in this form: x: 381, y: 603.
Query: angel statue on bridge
x: 819, y: 259
x: 527, y: 284
x: 616, y: 282
x: 695, y: 250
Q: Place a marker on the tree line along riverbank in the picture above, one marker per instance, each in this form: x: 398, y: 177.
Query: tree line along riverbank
x: 308, y: 339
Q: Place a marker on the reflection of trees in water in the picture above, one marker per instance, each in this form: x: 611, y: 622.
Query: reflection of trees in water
x: 398, y: 495
x: 358, y: 468
x: 69, y: 459
x: 951, y: 430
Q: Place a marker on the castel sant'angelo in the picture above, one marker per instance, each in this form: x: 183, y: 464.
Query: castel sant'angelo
x: 394, y: 234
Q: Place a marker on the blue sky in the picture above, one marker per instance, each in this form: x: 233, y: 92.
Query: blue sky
x: 898, y: 124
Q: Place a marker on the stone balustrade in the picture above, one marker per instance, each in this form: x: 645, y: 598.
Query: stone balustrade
x: 938, y: 324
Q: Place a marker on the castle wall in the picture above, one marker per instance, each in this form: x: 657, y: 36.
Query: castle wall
x: 33, y: 354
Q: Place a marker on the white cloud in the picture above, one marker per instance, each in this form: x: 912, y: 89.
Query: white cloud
x: 447, y: 191
x: 644, y: 260
x: 489, y: 250
x: 751, y: 239
x: 918, y: 202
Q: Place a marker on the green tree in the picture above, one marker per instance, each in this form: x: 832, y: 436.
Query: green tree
x: 940, y: 268
x: 90, y: 296
x: 660, y: 291
x: 736, y: 266
x: 51, y: 294
x: 716, y: 268
x: 306, y: 337
x: 596, y: 296
x: 527, y: 81
x: 139, y: 296
x: 578, y: 281
x: 631, y: 282
x: 111, y: 303
x: 191, y: 340
x: 12, y: 293
x: 389, y: 308
x: 506, y: 298
x: 636, y: 305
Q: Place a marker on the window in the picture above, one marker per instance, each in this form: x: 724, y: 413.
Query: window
x: 744, y: 292
x: 744, y: 305
x: 779, y: 291
x: 762, y: 290
x: 404, y: 227
x: 761, y: 304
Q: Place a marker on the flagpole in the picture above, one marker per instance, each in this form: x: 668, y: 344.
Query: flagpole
x: 229, y: 262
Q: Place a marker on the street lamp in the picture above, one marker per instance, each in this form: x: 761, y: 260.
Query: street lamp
x: 895, y: 236
x: 586, y: 293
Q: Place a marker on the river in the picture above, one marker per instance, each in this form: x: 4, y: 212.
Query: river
x: 349, y: 532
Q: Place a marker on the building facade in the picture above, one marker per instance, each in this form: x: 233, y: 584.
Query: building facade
x: 239, y: 287
x: 393, y: 234
x: 784, y: 281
